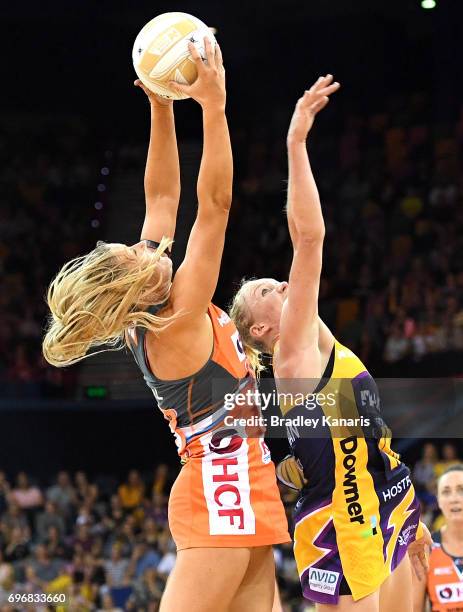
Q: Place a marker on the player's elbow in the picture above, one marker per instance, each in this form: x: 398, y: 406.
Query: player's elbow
x: 220, y: 201
x: 310, y: 238
x: 162, y: 204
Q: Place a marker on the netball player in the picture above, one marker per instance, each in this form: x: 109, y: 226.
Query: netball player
x: 225, y: 510
x: 357, y: 512
x: 443, y: 584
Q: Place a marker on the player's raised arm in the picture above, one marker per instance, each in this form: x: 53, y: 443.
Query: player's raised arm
x: 196, y: 279
x: 299, y: 319
x: 162, y: 172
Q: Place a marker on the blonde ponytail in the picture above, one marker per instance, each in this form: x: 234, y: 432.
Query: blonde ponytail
x: 95, y: 298
x: 239, y: 313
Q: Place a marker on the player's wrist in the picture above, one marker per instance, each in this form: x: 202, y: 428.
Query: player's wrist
x: 215, y: 107
x: 160, y: 109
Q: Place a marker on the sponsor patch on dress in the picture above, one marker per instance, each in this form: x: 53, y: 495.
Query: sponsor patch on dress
x: 323, y: 581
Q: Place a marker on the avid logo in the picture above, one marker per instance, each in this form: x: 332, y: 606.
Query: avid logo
x: 323, y: 581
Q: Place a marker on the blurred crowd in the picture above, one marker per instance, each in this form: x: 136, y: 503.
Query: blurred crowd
x: 48, y: 175
x: 391, y: 191
x: 106, y: 544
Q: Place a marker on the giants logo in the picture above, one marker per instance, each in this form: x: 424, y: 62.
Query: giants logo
x: 450, y: 593
x: 226, y: 485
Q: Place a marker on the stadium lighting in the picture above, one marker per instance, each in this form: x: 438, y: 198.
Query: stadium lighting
x: 428, y: 4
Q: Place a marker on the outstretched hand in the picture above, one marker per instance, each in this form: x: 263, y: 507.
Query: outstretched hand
x: 418, y: 553
x: 209, y: 88
x: 154, y: 99
x: 311, y: 103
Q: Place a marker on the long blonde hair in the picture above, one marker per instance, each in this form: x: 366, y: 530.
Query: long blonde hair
x: 240, y: 315
x: 96, y: 297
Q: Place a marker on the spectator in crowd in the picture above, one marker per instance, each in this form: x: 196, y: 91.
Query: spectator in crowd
x: 49, y: 518
x: 62, y: 493
x: 4, y: 492
x: 147, y: 593
x: 131, y: 492
x: 161, y: 479
x: 424, y: 472
x: 44, y: 569
x: 18, y: 545
x: 117, y: 568
x: 449, y: 459
x: 28, y: 497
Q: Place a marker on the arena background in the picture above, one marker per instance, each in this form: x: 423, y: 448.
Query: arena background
x: 387, y: 157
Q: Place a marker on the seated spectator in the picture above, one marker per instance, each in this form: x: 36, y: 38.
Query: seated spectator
x: 149, y: 534
x: 107, y: 604
x: 84, y: 490
x: 424, y: 470
x: 62, y: 494
x: 14, y: 516
x: 131, y: 492
x: 82, y: 538
x: 147, y: 592
x: 54, y: 543
x: 449, y: 459
x: 397, y: 345
x: 45, y: 569
x: 161, y: 484
x: 6, y: 573
x: 4, y: 492
x: 144, y: 556
x: 157, y: 509
x: 166, y: 547
x: 27, y: 496
x: 49, y: 518
x: 117, y: 568
x: 18, y: 546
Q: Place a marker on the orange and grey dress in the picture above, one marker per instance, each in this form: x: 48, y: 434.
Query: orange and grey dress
x: 445, y: 578
x: 226, y: 493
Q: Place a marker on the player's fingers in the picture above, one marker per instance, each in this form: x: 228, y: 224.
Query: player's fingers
x: 326, y: 91
x: 138, y: 83
x: 319, y: 104
x: 322, y: 82
x: 416, y: 566
x: 178, y: 87
x: 315, y: 86
x: 210, y: 56
x: 424, y: 561
x: 196, y: 56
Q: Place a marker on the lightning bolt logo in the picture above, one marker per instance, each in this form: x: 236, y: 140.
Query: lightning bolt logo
x: 310, y: 539
x: 396, y: 520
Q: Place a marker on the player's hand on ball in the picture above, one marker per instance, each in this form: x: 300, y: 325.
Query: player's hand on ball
x: 311, y: 103
x: 154, y: 99
x: 209, y: 88
x: 418, y: 553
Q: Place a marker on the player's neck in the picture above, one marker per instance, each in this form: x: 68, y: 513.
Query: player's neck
x: 273, y: 342
x: 454, y: 533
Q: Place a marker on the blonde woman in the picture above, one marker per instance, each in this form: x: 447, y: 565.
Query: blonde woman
x: 225, y: 510
x: 442, y: 587
x: 357, y: 512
